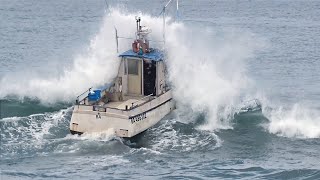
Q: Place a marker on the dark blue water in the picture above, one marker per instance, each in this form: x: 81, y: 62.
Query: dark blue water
x: 222, y: 54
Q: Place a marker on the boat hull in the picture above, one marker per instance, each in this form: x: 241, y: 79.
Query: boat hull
x: 122, y: 123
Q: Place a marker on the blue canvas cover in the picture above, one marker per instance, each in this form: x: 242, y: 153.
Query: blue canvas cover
x: 95, y: 95
x: 154, y: 55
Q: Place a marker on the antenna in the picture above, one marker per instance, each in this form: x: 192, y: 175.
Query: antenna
x: 177, y: 10
x: 138, y: 20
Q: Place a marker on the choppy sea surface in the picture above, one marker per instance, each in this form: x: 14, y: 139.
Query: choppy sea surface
x: 221, y: 54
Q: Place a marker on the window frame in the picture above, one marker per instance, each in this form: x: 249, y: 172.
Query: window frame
x: 132, y: 67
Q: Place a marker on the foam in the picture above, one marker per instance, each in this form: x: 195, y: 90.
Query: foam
x: 30, y: 134
x: 208, y: 72
x: 93, y: 68
x: 298, y: 122
x: 207, y: 69
x: 94, y: 136
x: 170, y: 138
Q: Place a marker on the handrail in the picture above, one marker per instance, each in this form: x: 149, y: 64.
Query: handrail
x: 117, y: 109
x: 119, y: 37
x: 77, y: 100
x: 141, y: 99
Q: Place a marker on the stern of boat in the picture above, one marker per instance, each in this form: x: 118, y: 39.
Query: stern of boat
x: 88, y: 119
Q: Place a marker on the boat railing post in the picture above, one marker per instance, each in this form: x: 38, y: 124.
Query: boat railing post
x: 164, y: 26
x: 117, y: 37
x: 0, y: 119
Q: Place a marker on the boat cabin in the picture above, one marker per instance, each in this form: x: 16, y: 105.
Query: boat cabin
x: 141, y: 77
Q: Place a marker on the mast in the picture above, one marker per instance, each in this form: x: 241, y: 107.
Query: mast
x: 164, y: 18
x: 164, y: 26
x: 177, y: 10
x: 117, y: 43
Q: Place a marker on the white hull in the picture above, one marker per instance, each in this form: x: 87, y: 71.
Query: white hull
x: 123, y: 123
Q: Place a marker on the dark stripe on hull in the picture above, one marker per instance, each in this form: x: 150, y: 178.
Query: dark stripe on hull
x: 152, y: 108
x: 126, y: 138
x: 75, y: 132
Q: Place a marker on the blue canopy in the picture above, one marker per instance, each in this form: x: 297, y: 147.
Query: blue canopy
x: 154, y: 55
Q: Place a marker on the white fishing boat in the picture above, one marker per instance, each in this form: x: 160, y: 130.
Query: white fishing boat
x: 137, y: 99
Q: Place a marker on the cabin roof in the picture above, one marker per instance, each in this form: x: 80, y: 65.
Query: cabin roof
x: 154, y: 55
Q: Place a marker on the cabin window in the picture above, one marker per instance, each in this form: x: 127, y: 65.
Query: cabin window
x: 133, y: 67
x: 125, y: 66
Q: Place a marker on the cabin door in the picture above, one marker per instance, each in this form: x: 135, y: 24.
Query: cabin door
x: 149, y: 77
x: 134, y: 76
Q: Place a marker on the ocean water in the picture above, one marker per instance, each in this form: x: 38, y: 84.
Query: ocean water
x: 221, y: 54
